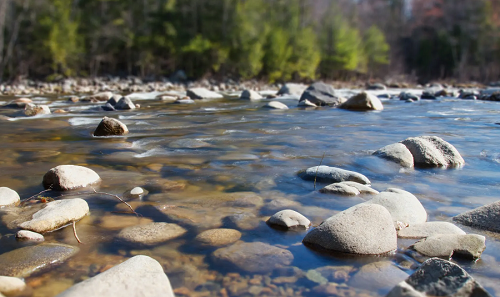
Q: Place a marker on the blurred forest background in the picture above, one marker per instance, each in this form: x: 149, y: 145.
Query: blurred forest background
x: 270, y: 40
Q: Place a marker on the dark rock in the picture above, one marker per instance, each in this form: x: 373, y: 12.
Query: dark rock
x: 320, y: 94
x: 110, y: 127
x: 108, y: 107
x: 125, y: 103
x: 485, y: 217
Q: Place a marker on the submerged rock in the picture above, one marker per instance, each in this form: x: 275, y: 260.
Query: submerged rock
x: 447, y: 245
x: 8, y: 197
x: 202, y: 93
x: 57, y: 214
x: 320, y: 94
x: 27, y: 260
x: 109, y: 127
x: 362, y: 229
x: 69, y: 177
x: 253, y: 257
x: 363, y: 101
x: 377, y: 276
x: 437, y: 277
x: 150, y: 234
x: 139, y: 276
x: 289, y: 219
x: 428, y: 229
x: 406, y: 96
x: 218, y: 237
x: 333, y: 174
x: 485, y: 217
x: 398, y: 153
x: 250, y: 95
x: 432, y: 151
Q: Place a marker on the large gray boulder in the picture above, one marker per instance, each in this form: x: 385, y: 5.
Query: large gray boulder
x: 428, y: 229
x: 333, y: 174
x: 253, y: 257
x: 437, y: 277
x: 150, y: 234
x: 361, y: 229
x: 139, y: 276
x: 396, y: 152
x: 27, y: 260
x: 69, y: 177
x: 404, y: 207
x: 8, y: 197
x: 125, y: 103
x: 320, y: 94
x: 363, y: 101
x: 432, y: 151
x: 250, y: 95
x: 485, y: 217
x: 202, y: 93
x: 57, y: 214
x: 287, y: 219
x: 447, y: 245
x: 110, y: 127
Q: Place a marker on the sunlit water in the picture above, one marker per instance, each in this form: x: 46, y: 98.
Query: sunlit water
x: 194, y: 158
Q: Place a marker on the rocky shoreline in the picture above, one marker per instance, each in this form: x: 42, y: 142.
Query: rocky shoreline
x: 370, y: 228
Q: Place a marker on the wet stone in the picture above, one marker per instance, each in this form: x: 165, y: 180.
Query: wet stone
x: 275, y: 105
x: 446, y: 245
x: 189, y: 143
x: 218, y: 237
x: 398, y: 153
x: 8, y: 197
x: 363, y: 101
x: 428, y: 229
x: 135, y: 193
x: 110, y: 127
x: 432, y: 151
x: 484, y: 217
x: 29, y: 236
x: 27, y: 260
x: 11, y: 286
x: 287, y: 219
x: 333, y: 174
x: 378, y: 276
x: 69, y: 177
x: 120, y: 221
x: 242, y: 221
x: 150, y: 234
x: 336, y: 274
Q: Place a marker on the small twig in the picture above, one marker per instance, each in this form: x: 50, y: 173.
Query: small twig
x: 36, y: 195
x: 317, y: 168
x: 117, y: 197
x: 74, y: 232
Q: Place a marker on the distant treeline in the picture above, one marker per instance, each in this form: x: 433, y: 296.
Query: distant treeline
x: 272, y: 40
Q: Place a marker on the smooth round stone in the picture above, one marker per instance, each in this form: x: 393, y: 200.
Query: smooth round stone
x: 363, y: 101
x: 110, y: 127
x: 27, y: 260
x: 362, y: 229
x: 254, y: 257
x: 396, y: 152
x: 151, y: 234
x: 289, y: 219
x: 333, y: 174
x: 250, y: 95
x: 137, y: 191
x: 11, y: 285
x: 447, y: 245
x: 428, y: 229
x: 29, y: 235
x: 340, y: 189
x: 432, y: 151
x: 8, y: 197
x: 218, y: 237
x: 276, y: 105
x: 69, y: 177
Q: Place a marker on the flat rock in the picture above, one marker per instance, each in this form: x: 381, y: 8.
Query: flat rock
x: 110, y: 127
x: 363, y: 101
x: 8, y: 197
x: 139, y: 276
x: 333, y: 174
x: 250, y: 95
x: 446, y: 245
x: 378, y: 276
x: 320, y: 94
x: 27, y: 260
x: 202, y: 93
x: 11, y: 285
x: 428, y: 229
x: 348, y: 188
x: 275, y: 105
x: 218, y: 237
x: 432, y: 151
x: 485, y: 217
x: 361, y: 229
x: 29, y: 235
x: 396, y: 152
x: 403, y: 206
x: 150, y: 234
x: 289, y: 219
x: 253, y: 257
x: 437, y: 277
x: 125, y: 103
x: 57, y: 214
x: 69, y: 177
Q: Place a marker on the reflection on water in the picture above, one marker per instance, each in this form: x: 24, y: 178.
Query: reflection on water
x: 230, y: 163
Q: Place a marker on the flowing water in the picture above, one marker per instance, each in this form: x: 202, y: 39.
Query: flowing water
x: 208, y: 161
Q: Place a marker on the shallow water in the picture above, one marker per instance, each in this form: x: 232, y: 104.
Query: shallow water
x: 194, y: 159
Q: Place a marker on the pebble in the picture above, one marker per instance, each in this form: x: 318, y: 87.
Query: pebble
x: 29, y: 236
x: 8, y: 197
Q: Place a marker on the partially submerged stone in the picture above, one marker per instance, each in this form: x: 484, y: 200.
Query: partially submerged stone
x: 289, y: 219
x: 202, y: 93
x: 33, y: 110
x: 437, y: 277
x: 432, y: 151
x: 57, y: 214
x: 333, y: 174
x: 275, y: 105
x: 486, y: 217
x: 320, y: 94
x: 448, y: 245
x: 69, y: 177
x: 363, y: 101
x: 362, y: 229
x: 24, y: 261
x: 18, y: 103
x: 382, y: 275
x: 348, y: 188
x: 29, y: 236
x: 125, y: 103
x: 11, y: 286
x: 250, y: 95
x: 428, y: 229
x: 218, y: 237
x: 151, y: 234
x: 139, y: 276
x: 8, y: 197
x: 398, y: 153
x: 110, y: 127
